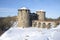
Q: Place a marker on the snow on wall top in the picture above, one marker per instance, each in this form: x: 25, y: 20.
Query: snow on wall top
x: 41, y: 10
x: 24, y: 8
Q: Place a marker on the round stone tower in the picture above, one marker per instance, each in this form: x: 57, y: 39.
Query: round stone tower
x: 41, y: 15
x: 23, y: 17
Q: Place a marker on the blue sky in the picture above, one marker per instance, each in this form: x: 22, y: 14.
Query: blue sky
x: 10, y: 7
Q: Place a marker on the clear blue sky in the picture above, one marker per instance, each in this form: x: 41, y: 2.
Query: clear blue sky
x: 10, y: 7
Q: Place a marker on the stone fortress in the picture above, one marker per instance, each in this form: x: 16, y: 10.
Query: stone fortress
x: 38, y: 19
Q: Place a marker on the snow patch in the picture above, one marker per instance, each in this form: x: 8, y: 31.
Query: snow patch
x: 16, y: 33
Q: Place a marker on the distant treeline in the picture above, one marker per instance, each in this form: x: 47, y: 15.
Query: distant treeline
x: 6, y: 23
x: 58, y: 19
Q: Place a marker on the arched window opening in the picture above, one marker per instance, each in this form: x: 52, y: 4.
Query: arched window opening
x: 35, y: 24
x: 49, y: 25
x: 39, y: 24
x: 44, y: 25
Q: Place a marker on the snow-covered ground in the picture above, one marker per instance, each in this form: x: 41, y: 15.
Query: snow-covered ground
x: 16, y: 33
